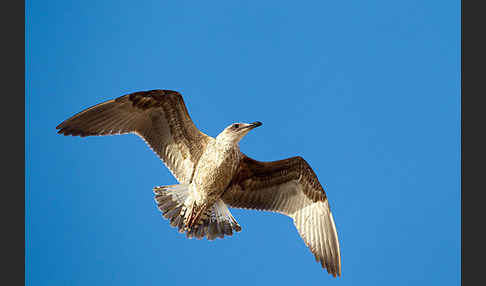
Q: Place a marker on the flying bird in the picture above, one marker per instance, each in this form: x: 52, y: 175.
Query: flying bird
x: 213, y: 173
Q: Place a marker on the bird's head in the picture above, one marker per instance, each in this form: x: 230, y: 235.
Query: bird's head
x: 236, y: 131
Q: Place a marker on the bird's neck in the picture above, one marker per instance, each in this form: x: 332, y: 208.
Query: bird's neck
x: 223, y: 139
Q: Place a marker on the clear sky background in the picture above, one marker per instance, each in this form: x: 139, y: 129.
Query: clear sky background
x: 368, y: 92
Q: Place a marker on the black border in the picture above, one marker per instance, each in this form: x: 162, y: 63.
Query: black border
x: 472, y: 146
x: 12, y: 24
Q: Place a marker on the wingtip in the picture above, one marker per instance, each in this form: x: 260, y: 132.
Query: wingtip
x: 64, y: 131
x: 61, y: 131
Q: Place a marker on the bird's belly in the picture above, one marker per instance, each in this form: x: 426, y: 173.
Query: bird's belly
x: 212, y: 176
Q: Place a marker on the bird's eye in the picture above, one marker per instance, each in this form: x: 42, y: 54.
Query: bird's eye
x: 236, y: 126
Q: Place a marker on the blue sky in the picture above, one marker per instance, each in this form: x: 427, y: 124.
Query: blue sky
x: 368, y: 92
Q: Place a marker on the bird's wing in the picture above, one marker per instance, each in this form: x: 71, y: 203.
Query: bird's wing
x: 289, y: 187
x: 159, y: 117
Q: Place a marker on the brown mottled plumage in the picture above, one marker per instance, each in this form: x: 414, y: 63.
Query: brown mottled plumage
x: 213, y: 173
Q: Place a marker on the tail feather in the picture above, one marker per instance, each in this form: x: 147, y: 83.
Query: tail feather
x: 175, y: 203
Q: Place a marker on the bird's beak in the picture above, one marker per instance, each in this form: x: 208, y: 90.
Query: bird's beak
x: 255, y: 124
x: 250, y: 126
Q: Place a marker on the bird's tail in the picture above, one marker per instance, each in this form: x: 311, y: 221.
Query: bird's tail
x: 176, y: 203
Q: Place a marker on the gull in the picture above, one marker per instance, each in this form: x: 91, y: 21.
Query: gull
x: 213, y: 173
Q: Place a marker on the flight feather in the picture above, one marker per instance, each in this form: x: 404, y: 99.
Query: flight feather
x: 289, y: 187
x: 159, y: 117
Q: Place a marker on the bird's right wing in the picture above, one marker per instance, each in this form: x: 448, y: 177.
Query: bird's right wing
x: 289, y: 187
x: 159, y: 117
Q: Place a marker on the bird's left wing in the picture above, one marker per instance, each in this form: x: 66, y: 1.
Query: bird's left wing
x: 289, y: 187
x: 158, y: 116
